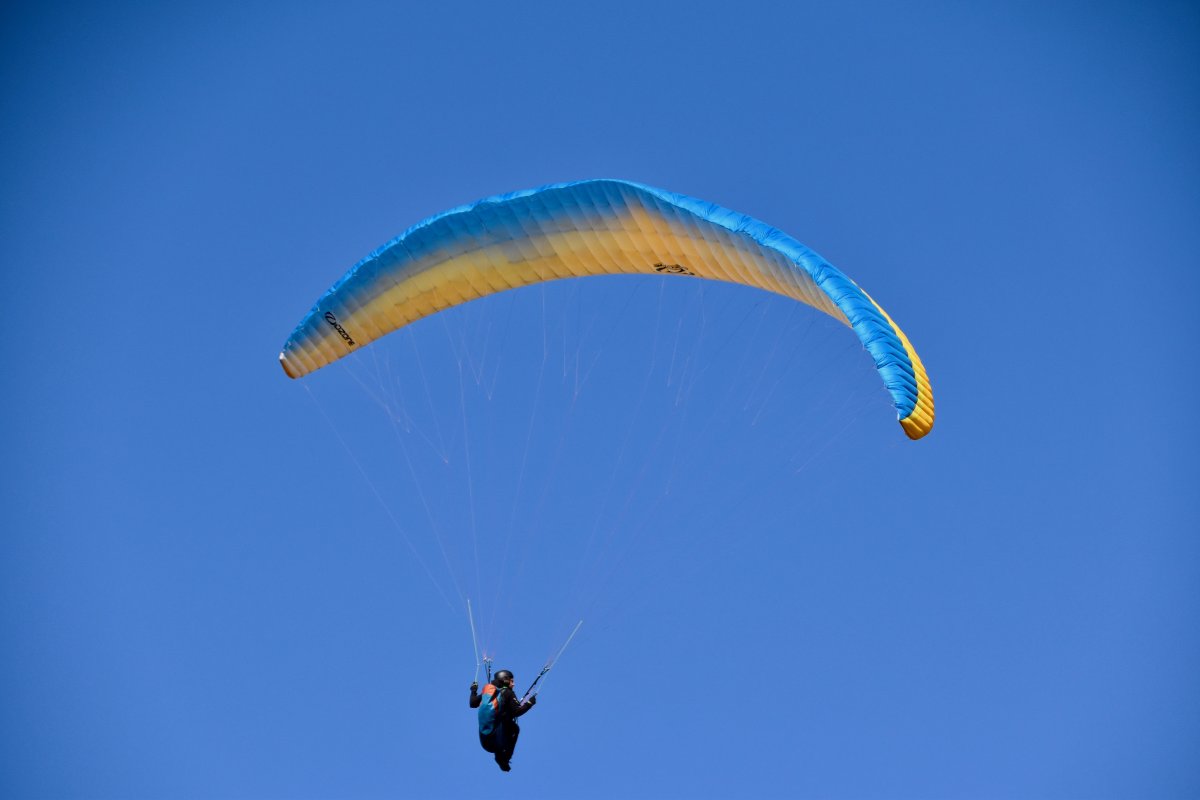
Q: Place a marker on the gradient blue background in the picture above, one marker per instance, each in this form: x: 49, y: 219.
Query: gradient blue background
x: 202, y: 597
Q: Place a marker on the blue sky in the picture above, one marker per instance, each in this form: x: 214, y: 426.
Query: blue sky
x: 218, y: 582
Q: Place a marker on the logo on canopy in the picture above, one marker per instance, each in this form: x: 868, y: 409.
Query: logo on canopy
x: 673, y: 269
x: 332, y: 320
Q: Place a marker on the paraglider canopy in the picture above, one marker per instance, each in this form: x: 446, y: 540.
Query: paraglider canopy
x: 593, y: 227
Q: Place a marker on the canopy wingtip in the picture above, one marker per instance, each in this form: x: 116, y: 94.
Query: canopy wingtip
x: 916, y: 428
x: 288, y: 367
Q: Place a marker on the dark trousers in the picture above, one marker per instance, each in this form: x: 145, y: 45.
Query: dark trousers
x: 502, y: 741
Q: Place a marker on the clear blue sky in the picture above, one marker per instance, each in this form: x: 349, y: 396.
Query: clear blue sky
x: 209, y: 574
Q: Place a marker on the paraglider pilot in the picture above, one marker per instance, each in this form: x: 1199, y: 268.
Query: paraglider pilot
x: 498, y: 711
